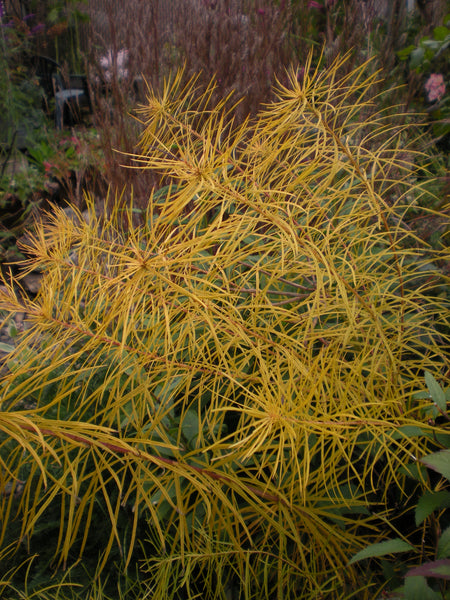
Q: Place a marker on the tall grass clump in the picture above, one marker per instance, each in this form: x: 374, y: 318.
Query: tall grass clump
x: 244, y: 45
x: 119, y: 57
x: 241, y: 44
x: 225, y: 392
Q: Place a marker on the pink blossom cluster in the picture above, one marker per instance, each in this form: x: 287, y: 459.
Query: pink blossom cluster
x: 435, y: 87
x: 112, y: 63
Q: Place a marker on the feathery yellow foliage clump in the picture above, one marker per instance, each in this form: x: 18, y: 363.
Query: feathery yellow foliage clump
x: 238, y: 369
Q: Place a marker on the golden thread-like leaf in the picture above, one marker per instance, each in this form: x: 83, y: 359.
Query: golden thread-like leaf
x: 237, y: 370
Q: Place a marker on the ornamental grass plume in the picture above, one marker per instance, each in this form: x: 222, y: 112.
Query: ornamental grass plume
x: 229, y: 385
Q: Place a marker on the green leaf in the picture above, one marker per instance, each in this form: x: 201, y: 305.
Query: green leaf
x: 53, y: 15
x: 436, y: 392
x: 408, y: 431
x: 429, y: 502
x: 6, y: 347
x: 443, y: 547
x: 443, y: 439
x: 413, y: 470
x: 163, y: 505
x: 404, y: 53
x: 421, y: 395
x: 190, y: 427
x: 431, y: 45
x: 381, y: 549
x: 417, y: 57
x: 440, y: 33
x: 439, y: 461
x: 417, y: 588
x: 165, y: 393
x: 436, y: 568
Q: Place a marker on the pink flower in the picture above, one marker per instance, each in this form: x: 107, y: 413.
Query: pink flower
x: 313, y: 4
x: 435, y: 87
x: 47, y: 166
x: 113, y: 63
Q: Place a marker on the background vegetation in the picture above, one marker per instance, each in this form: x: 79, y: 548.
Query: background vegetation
x: 232, y: 382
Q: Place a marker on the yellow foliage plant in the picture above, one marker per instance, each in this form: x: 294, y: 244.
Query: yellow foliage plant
x: 231, y: 379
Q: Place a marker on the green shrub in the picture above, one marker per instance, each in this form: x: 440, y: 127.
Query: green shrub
x: 227, y: 386
x: 430, y: 59
x: 429, y: 513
